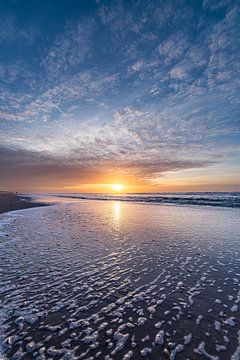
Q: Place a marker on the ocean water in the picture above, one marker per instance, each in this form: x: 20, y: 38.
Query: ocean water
x: 223, y: 199
x: 90, y: 279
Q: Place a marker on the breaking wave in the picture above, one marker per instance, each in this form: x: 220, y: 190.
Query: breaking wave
x: 200, y: 198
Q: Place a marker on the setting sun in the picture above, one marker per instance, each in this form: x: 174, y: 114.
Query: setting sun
x: 117, y: 187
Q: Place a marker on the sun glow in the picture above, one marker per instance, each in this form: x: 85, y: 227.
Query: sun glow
x: 117, y: 187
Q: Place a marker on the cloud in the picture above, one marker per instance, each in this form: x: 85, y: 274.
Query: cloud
x: 11, y: 32
x: 145, y: 87
x: 224, y: 45
x: 179, y: 72
x: 143, y: 143
x: 174, y: 47
x: 214, y: 5
x: 28, y: 168
x: 69, y: 49
x: 83, y: 88
x: 138, y: 65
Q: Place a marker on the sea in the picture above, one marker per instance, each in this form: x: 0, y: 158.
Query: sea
x: 224, y: 199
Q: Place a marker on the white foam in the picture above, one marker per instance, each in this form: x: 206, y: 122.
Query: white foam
x: 159, y: 339
x: 146, y: 351
x: 187, y: 339
x: 236, y: 355
x: 202, y: 351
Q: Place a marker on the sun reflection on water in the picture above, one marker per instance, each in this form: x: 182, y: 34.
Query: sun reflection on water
x: 117, y: 209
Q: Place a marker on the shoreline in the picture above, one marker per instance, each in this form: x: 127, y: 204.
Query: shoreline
x: 10, y: 201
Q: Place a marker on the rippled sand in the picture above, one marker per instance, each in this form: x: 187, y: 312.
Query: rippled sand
x: 115, y: 280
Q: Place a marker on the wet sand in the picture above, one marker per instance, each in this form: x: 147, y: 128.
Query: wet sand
x: 113, y: 280
x: 11, y: 201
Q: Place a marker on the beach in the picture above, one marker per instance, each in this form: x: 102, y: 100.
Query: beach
x: 111, y: 279
x: 10, y: 201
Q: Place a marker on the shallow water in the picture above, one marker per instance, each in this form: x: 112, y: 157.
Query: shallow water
x: 119, y: 280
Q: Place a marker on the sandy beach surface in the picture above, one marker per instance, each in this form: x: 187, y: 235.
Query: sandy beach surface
x: 10, y: 201
x: 116, y: 280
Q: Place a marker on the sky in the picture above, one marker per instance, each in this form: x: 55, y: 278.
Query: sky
x: 142, y: 93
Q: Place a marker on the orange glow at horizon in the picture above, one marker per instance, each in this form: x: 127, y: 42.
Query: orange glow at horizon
x: 187, y: 180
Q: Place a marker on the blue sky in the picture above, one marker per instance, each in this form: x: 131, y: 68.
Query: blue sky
x: 145, y: 89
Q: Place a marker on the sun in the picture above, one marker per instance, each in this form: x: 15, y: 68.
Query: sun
x: 117, y: 187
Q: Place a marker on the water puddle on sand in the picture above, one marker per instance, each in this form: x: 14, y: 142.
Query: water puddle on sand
x: 114, y: 280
